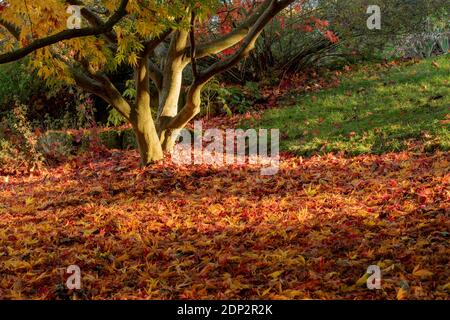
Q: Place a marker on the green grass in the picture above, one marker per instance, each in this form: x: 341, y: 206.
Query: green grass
x: 374, y: 110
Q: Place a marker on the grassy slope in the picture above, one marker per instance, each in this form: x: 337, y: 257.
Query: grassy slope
x: 374, y: 110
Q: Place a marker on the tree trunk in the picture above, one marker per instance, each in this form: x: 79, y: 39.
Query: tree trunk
x: 169, y: 127
x: 168, y: 138
x: 146, y: 135
x: 141, y: 117
x: 168, y: 132
x: 147, y: 138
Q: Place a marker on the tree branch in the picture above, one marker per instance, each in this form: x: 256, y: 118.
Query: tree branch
x: 94, y: 20
x: 192, y: 106
x: 66, y: 35
x: 232, y: 38
x: 192, y: 40
x: 154, y: 71
x: 155, y: 74
x: 100, y: 85
x: 14, y: 30
x: 248, y: 43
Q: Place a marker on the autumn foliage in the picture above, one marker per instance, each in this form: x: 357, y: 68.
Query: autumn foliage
x: 165, y: 231
x: 202, y: 232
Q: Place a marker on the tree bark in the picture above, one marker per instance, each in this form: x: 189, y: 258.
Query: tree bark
x: 171, y: 89
x: 156, y: 138
x: 141, y: 116
x: 146, y: 136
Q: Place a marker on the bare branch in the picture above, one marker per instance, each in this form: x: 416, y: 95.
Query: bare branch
x: 192, y: 40
x: 155, y: 74
x: 100, y: 85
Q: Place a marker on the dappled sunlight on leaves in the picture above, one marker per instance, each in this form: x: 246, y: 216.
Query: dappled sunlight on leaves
x: 167, y: 232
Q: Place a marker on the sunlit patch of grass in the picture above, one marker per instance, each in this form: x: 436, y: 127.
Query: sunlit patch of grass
x: 374, y: 110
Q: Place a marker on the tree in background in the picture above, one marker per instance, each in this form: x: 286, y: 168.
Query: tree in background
x: 399, y: 19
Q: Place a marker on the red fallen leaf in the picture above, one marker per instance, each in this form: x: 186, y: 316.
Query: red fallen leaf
x: 159, y: 239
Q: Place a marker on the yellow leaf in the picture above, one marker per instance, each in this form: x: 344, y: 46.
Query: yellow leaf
x: 363, y: 280
x: 89, y: 232
x: 122, y: 258
x: 402, y: 294
x: 266, y: 292
x: 302, y: 260
x: 215, y: 208
x: 133, y: 59
x: 276, y: 274
x: 435, y: 64
x: 446, y: 287
x: 422, y: 273
x: 279, y: 297
x: 29, y: 201
x: 237, y: 285
x: 292, y: 293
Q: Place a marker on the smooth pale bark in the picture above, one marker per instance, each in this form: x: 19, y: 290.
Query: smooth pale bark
x: 156, y: 138
x: 168, y: 105
x: 171, y: 89
x: 171, y: 126
x: 172, y: 123
x: 146, y: 135
x: 141, y: 117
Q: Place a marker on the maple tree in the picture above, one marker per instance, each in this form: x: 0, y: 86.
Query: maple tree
x: 48, y: 21
x: 158, y: 39
x: 167, y: 231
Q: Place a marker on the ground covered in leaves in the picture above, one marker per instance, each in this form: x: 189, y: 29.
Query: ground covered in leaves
x: 167, y: 232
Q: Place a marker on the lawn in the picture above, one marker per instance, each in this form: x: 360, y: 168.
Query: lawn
x: 375, y: 109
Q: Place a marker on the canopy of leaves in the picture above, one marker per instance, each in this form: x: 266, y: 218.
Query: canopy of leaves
x: 28, y: 21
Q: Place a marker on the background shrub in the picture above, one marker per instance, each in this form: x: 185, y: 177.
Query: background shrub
x: 18, y: 142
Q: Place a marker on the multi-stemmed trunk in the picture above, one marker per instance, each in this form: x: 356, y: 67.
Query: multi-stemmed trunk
x: 157, y: 136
